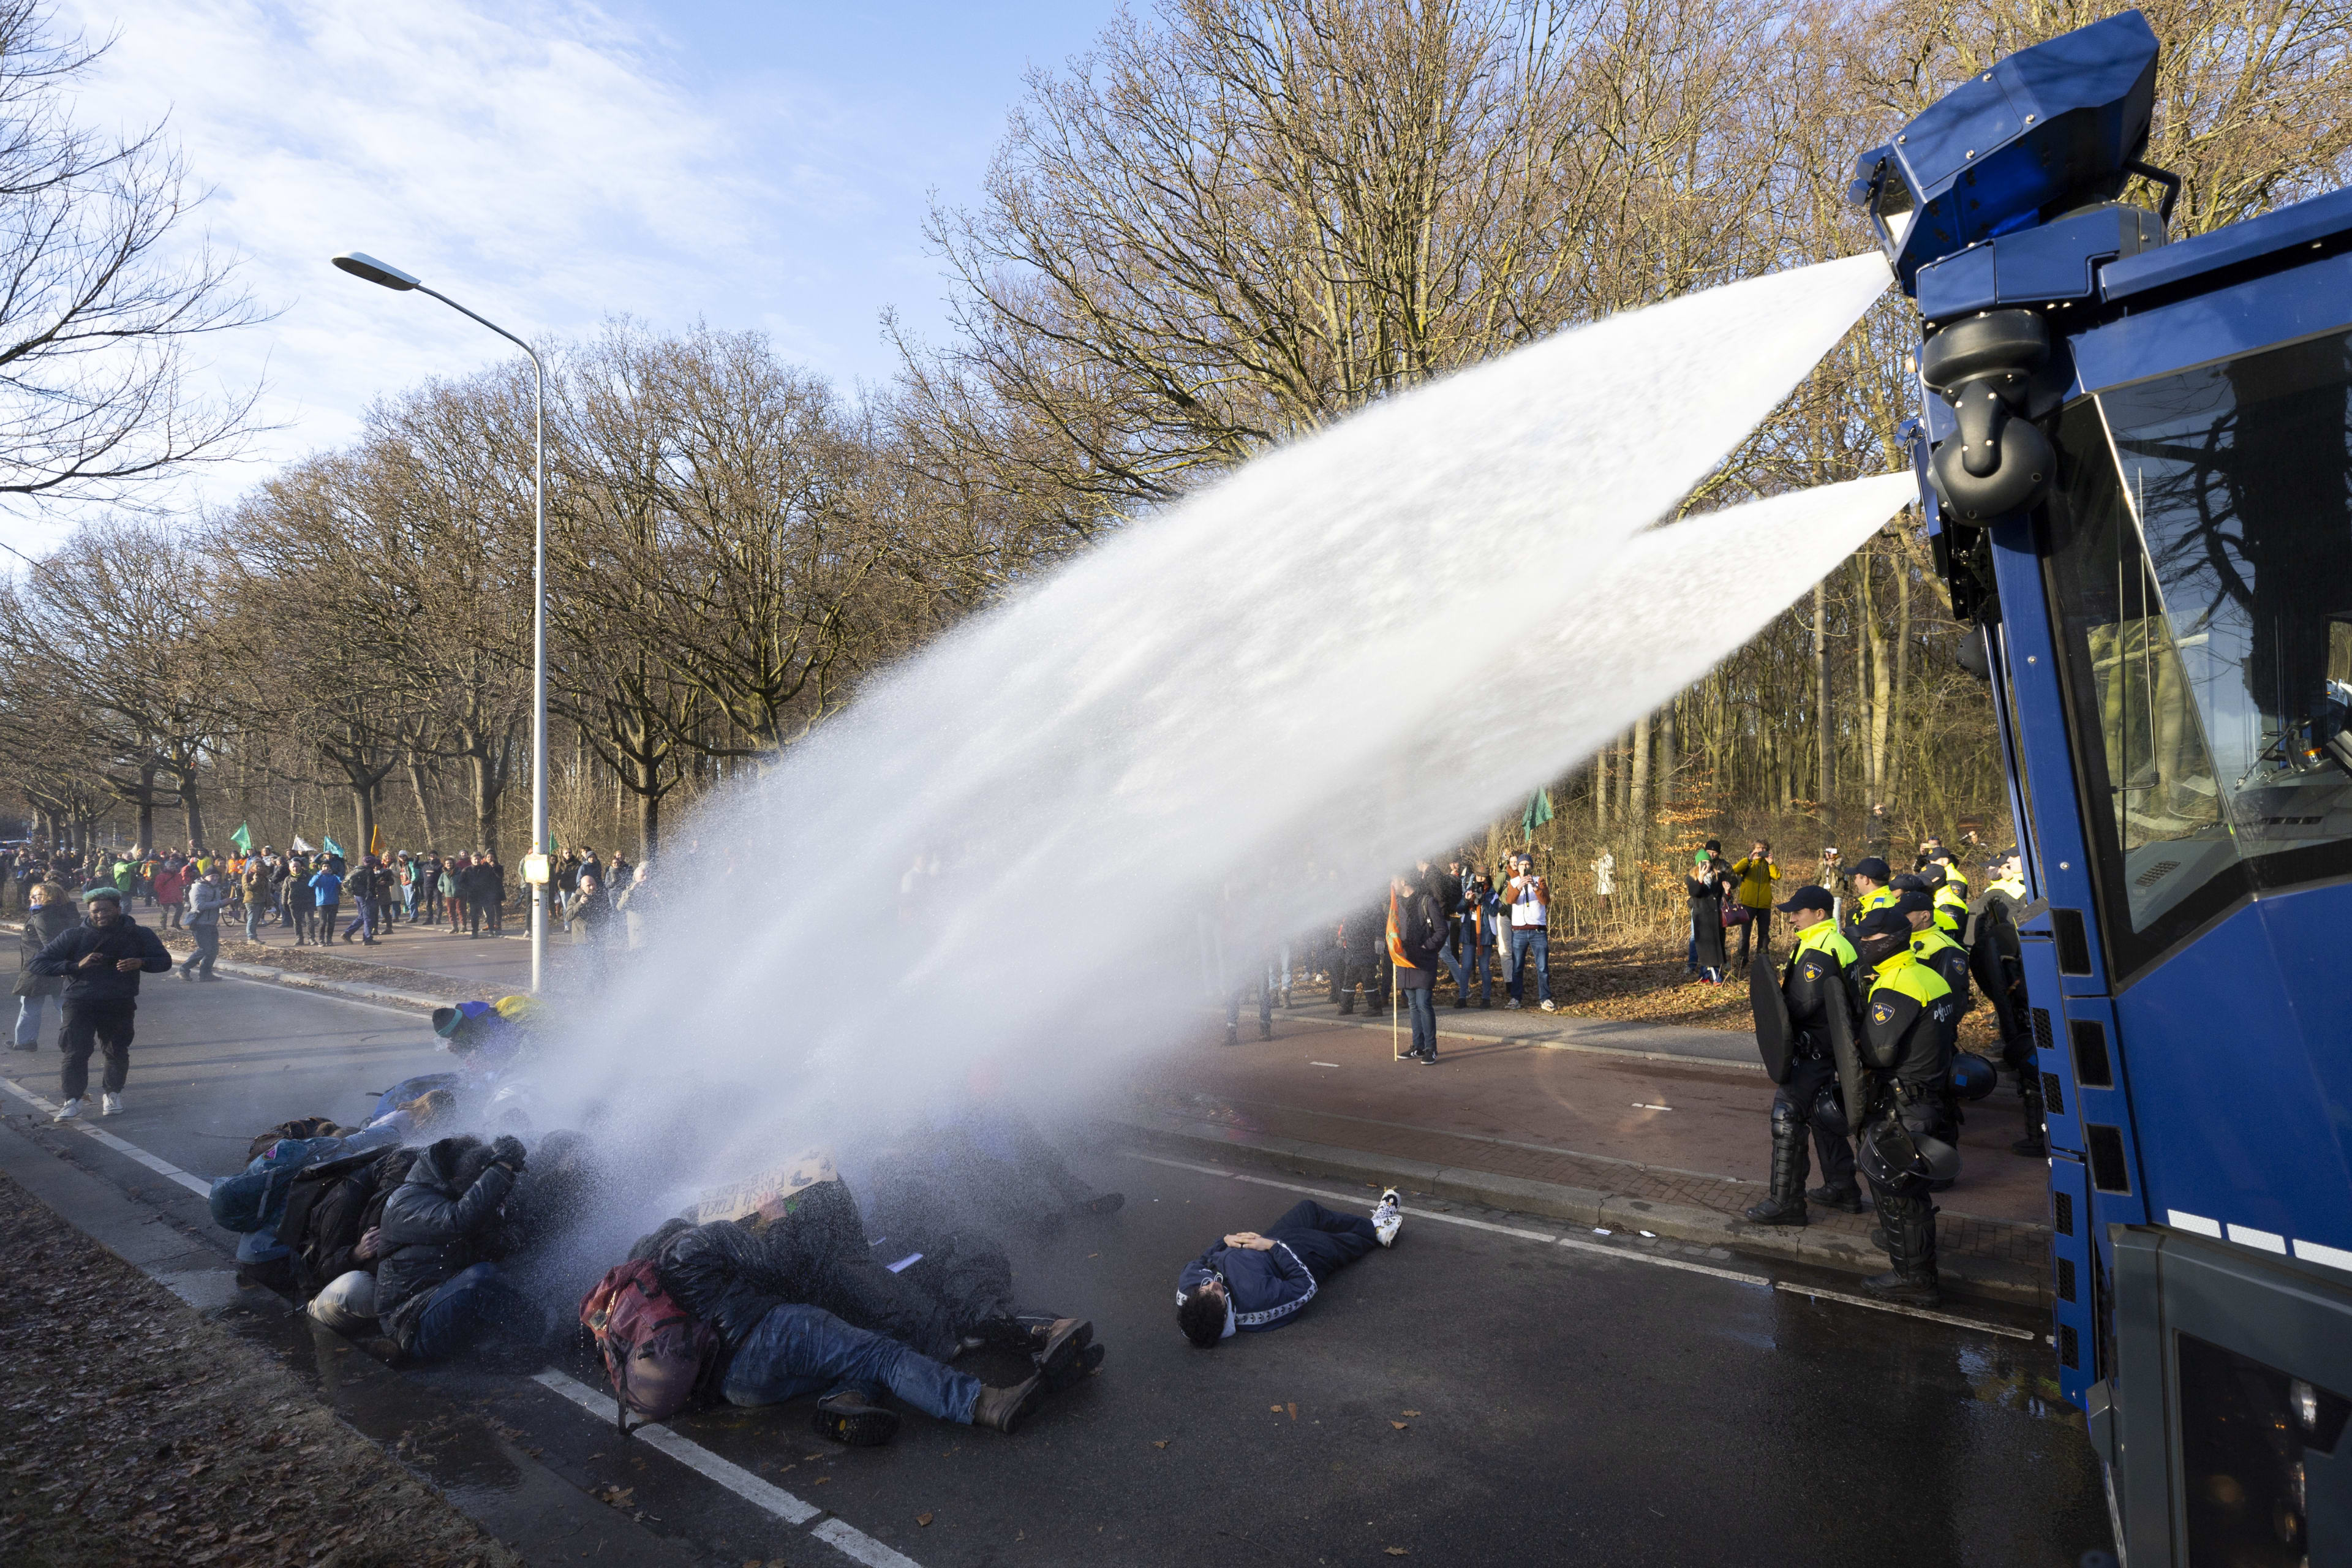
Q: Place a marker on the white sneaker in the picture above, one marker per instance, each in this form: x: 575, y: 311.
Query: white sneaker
x: 69, y: 1111
x: 1386, y: 1219
x: 1550, y: 1008
x: 109, y: 1105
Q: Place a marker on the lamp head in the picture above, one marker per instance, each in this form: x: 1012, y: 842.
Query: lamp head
x: 359, y: 264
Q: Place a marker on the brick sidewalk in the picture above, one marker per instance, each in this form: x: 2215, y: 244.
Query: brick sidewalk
x: 1680, y: 1132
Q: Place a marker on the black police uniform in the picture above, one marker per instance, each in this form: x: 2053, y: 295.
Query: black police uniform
x: 1819, y: 975
x: 1995, y: 961
x: 1909, y: 1022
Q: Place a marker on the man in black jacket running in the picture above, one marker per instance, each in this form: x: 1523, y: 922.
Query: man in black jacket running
x: 102, y: 960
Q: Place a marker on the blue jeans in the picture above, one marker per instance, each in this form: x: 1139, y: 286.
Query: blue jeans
x: 800, y: 1350
x: 1470, y: 955
x: 467, y: 1303
x: 1524, y: 941
x: 1422, y: 1000
x: 207, y: 937
x: 253, y: 919
x: 30, y: 1010
x: 364, y: 922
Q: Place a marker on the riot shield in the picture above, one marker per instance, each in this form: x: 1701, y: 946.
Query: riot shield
x: 1845, y: 1050
x: 1776, y: 1038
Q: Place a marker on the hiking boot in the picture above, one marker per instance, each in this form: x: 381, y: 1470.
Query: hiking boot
x: 1846, y: 1199
x: 1909, y: 1225
x: 69, y: 1109
x: 846, y: 1418
x: 1462, y: 1001
x: 188, y: 975
x: 1387, y: 1219
x: 1058, y: 1344
x: 109, y: 1105
x: 1082, y: 1366
x: 1004, y: 1409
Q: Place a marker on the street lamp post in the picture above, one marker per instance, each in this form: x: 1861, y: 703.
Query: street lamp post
x: 536, y: 869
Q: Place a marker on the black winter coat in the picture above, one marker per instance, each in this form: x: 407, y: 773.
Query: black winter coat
x: 439, y: 1222
x: 42, y: 927
x: 1421, y: 932
x: 730, y: 1277
x: 126, y: 938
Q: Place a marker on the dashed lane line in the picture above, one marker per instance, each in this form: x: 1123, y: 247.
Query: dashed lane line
x: 836, y: 1533
x: 1625, y: 1253
x: 156, y: 1164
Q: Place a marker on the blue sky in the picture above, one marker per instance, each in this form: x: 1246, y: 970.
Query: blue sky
x: 550, y: 163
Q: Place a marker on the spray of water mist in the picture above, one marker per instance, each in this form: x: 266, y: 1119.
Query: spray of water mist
x: 1236, y: 717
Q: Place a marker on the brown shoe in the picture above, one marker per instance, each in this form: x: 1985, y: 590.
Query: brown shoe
x: 1004, y: 1409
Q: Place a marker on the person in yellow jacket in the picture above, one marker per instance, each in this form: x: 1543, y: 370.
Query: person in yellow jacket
x: 1757, y: 875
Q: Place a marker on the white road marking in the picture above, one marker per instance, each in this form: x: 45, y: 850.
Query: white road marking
x: 1628, y: 1255
x: 693, y: 1455
x: 161, y: 1166
x: 2003, y: 1329
x: 1322, y: 1064
x: 854, y: 1543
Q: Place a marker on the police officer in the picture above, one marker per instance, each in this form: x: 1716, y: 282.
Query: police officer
x: 1870, y: 874
x: 1933, y: 942
x: 1818, y: 976
x: 1909, y: 1022
x: 1950, y: 897
x: 1999, y: 969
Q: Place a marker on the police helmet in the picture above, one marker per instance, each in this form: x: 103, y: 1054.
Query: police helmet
x: 1896, y: 1158
x: 1972, y: 1076
x: 1829, y: 1112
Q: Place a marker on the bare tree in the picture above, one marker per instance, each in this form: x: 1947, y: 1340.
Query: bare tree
x: 100, y: 289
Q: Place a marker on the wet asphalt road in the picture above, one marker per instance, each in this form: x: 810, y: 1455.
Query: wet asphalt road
x: 1557, y: 1406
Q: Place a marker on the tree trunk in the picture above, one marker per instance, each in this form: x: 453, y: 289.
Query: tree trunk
x: 1637, y: 819
x: 364, y: 814
x: 147, y: 807
x: 648, y: 826
x: 1604, y: 786
x: 195, y: 814
x: 488, y: 786
x: 424, y: 810
x: 1902, y: 683
x: 1825, y: 784
x: 1667, y: 759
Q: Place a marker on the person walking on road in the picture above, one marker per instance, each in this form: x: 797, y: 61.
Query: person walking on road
x: 52, y: 914
x: 100, y: 961
x: 1528, y: 899
x: 254, y: 882
x: 366, y: 886
x: 206, y: 898
x: 170, y: 885
x: 301, y: 905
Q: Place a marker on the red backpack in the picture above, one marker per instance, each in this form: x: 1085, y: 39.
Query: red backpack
x: 655, y: 1350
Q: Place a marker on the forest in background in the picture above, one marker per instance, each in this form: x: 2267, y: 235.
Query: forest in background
x: 1226, y: 226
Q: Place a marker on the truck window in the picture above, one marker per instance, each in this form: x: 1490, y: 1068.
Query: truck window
x: 2201, y: 566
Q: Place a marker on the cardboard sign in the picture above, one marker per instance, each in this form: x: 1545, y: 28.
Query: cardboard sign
x: 764, y: 1196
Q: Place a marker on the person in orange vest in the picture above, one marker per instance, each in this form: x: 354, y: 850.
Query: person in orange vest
x: 1416, y: 939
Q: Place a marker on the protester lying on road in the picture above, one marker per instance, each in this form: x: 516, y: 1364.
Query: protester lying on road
x: 1248, y: 1282
x: 332, y: 1231
x: 709, y: 1317
x: 438, y: 1289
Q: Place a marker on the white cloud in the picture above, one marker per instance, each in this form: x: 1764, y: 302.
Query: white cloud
x: 546, y: 163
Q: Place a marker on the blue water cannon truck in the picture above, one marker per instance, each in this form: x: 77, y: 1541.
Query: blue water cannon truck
x: 2135, y: 460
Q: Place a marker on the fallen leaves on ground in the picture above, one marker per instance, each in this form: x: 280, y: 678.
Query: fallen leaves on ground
x: 617, y: 1496
x: 1160, y: 1442
x: 1397, y: 1551
x: 1398, y: 1424
x: 138, y: 1460
x: 923, y: 1519
x: 1408, y: 1413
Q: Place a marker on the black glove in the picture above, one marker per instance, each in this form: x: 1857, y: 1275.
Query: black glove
x: 507, y: 1152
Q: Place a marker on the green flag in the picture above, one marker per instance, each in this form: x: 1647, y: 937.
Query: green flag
x: 1538, y: 813
x: 332, y: 848
x: 242, y: 838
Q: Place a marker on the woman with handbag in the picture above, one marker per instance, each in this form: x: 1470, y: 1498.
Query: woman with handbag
x: 1707, y: 885
x: 1756, y: 874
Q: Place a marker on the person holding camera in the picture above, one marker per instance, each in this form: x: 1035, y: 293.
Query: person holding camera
x: 1756, y: 872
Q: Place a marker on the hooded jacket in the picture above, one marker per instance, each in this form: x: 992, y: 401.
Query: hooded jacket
x: 439, y: 1222
x: 1266, y: 1289
x: 205, y: 902
x: 126, y: 938
x: 42, y: 927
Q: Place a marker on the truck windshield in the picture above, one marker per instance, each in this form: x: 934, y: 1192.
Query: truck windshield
x: 2202, y: 569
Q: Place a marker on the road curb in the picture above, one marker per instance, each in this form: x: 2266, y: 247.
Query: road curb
x: 1986, y: 1279
x: 301, y: 980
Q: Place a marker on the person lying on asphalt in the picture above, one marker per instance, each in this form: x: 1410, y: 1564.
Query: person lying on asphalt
x: 100, y: 961
x: 438, y: 1289
x: 771, y: 1348
x: 1247, y: 1283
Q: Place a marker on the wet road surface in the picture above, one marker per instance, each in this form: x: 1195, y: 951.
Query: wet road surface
x: 1556, y: 1405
